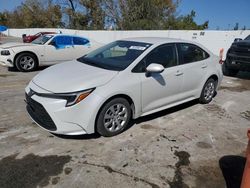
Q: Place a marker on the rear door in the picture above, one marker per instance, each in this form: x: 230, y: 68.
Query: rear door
x: 193, y: 64
x: 81, y: 46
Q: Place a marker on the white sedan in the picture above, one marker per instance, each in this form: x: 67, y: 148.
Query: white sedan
x: 102, y: 91
x: 45, y: 50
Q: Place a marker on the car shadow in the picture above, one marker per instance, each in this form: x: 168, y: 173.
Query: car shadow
x: 78, y: 137
x: 163, y: 113
x: 14, y: 69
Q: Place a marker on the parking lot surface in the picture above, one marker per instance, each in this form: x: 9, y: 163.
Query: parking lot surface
x: 178, y: 147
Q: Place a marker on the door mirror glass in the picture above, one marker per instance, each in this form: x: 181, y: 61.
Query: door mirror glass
x: 155, y: 68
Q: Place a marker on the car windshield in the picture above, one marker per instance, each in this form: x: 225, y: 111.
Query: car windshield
x: 116, y: 56
x: 42, y: 39
x: 248, y: 37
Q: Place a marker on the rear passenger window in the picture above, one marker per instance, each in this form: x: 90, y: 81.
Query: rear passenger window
x: 164, y: 55
x: 191, y: 53
x: 80, y: 41
x: 63, y: 40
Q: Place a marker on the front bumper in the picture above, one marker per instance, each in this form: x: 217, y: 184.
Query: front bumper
x: 238, y: 62
x: 8, y: 60
x: 52, y: 115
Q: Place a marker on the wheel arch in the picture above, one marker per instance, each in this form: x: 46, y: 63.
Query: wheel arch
x: 213, y: 76
x: 125, y: 96
x: 30, y: 52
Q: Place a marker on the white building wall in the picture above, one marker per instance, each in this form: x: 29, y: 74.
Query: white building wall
x: 213, y: 40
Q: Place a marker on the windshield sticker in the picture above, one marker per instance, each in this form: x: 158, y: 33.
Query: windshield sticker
x: 137, y: 48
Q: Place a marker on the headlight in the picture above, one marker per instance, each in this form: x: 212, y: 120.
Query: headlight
x: 71, y: 98
x: 5, y: 52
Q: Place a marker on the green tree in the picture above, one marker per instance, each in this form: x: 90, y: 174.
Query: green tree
x: 140, y: 14
x: 35, y: 14
x: 185, y: 22
x: 3, y: 18
x: 100, y: 14
x: 95, y: 13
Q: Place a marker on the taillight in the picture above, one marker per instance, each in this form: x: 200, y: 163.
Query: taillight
x: 221, y: 56
x: 221, y: 61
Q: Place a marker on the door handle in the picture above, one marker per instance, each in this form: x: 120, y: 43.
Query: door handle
x: 178, y: 73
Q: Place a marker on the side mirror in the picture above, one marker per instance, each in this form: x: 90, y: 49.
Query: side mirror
x: 155, y: 68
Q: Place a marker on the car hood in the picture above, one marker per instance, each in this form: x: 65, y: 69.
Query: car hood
x: 15, y: 44
x: 72, y: 76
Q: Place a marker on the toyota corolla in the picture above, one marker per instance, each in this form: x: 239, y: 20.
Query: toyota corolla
x: 103, y: 90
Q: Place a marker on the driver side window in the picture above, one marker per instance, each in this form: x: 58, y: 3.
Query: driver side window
x: 164, y: 55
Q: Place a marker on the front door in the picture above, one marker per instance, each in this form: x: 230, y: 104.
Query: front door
x: 161, y: 89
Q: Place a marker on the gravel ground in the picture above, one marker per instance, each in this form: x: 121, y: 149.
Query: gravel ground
x: 178, y: 147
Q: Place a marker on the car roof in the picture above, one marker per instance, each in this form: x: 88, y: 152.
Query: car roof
x: 163, y: 40
x: 155, y: 40
x: 66, y: 35
x: 46, y: 32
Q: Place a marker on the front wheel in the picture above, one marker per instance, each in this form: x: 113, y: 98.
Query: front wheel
x: 26, y: 62
x: 208, y: 91
x: 113, y: 117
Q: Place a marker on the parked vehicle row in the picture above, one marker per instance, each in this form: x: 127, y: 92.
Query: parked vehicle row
x: 103, y: 90
x: 45, y: 50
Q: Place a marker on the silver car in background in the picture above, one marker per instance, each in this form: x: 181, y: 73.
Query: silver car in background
x: 103, y: 90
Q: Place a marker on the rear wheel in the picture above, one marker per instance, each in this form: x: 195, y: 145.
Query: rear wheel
x: 26, y: 62
x: 113, y: 117
x: 208, y: 91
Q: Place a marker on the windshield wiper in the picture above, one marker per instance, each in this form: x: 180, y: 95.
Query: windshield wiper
x: 97, y: 64
x: 89, y: 62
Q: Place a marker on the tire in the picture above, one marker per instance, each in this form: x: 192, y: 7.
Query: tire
x: 113, y: 117
x: 26, y: 62
x: 208, y: 91
x: 229, y: 72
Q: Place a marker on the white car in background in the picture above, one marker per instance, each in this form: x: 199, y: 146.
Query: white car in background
x: 45, y: 50
x: 102, y: 91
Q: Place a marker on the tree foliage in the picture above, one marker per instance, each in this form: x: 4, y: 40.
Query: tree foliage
x: 31, y: 14
x: 100, y: 14
x: 185, y: 22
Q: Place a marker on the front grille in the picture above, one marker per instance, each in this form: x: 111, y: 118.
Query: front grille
x: 39, y: 114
